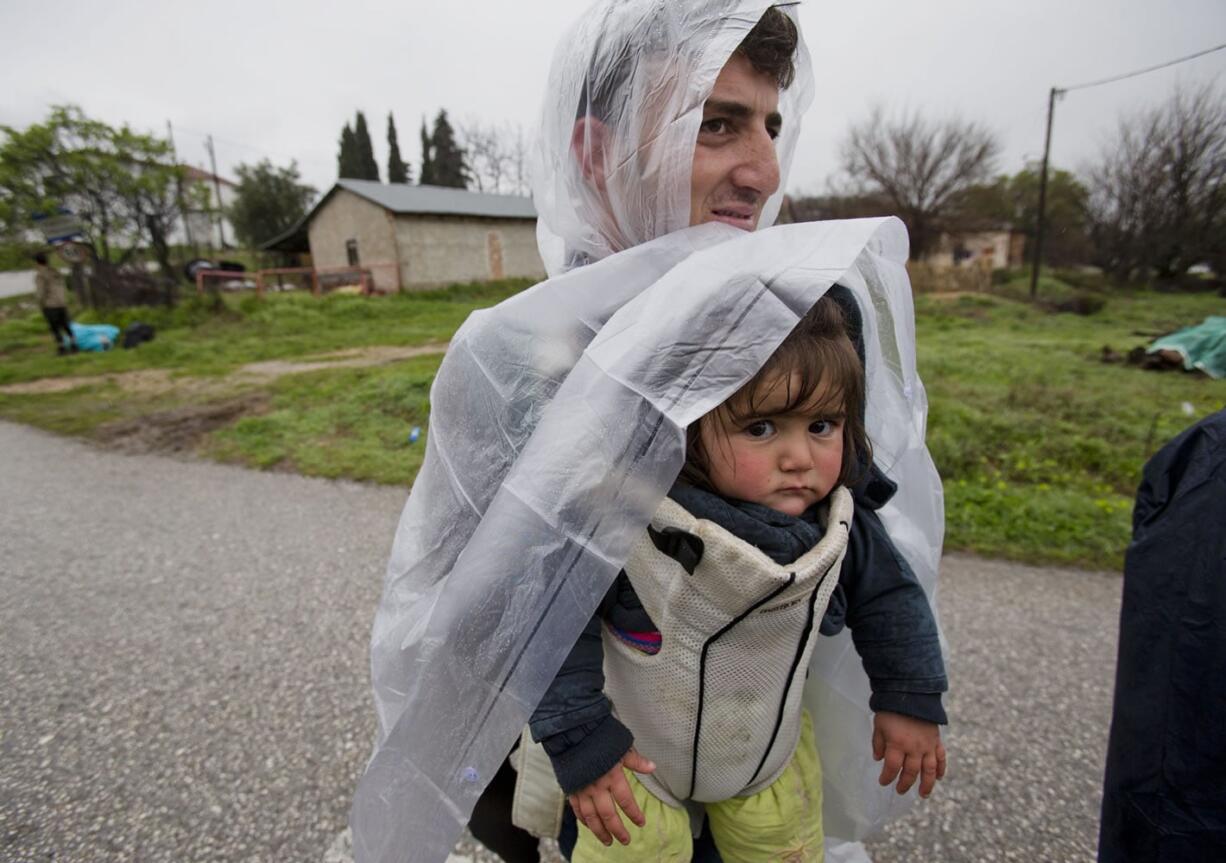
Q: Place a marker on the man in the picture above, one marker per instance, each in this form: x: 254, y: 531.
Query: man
x: 53, y: 300
x: 734, y: 172
x: 657, y: 116
x: 659, y: 139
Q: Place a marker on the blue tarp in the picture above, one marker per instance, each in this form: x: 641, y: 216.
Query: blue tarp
x: 1202, y: 346
x: 94, y: 337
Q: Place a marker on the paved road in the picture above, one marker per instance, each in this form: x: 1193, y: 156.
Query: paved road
x: 183, y: 669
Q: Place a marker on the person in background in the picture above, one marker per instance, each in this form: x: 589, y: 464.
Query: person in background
x: 1163, y: 796
x: 53, y: 300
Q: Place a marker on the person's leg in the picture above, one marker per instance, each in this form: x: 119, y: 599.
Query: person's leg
x: 665, y: 838
x: 53, y: 324
x: 782, y: 822
x: 705, y: 850
x: 58, y: 319
x: 72, y: 340
x: 491, y: 821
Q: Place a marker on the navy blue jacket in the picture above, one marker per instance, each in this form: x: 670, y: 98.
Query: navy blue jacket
x: 1164, y: 797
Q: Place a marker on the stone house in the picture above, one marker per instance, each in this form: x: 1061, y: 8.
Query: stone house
x: 413, y: 237
x: 988, y: 248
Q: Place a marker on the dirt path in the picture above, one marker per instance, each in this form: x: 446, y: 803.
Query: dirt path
x: 159, y: 381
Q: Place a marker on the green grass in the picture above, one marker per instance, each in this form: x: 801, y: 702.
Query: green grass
x: 352, y: 423
x: 1040, y: 444
x: 194, y: 339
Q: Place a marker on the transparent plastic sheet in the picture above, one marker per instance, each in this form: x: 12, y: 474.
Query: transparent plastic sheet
x: 625, y: 97
x: 557, y: 426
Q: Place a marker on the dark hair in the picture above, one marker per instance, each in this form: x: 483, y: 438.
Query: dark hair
x: 820, y: 355
x: 40, y: 258
x: 770, y: 47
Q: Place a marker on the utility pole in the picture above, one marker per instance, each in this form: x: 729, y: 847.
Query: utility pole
x: 221, y: 231
x: 183, y: 214
x: 1038, y: 232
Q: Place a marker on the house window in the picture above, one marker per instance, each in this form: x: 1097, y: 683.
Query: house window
x: 351, y: 249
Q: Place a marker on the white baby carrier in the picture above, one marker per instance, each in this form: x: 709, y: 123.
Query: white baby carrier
x: 718, y: 707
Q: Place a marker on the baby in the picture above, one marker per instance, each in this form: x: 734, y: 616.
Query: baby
x: 704, y: 641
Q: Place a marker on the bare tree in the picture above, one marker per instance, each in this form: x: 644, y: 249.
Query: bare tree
x: 496, y: 156
x: 1158, y: 192
x: 919, y: 165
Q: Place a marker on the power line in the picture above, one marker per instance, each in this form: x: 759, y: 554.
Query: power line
x: 1051, y: 109
x: 1140, y: 71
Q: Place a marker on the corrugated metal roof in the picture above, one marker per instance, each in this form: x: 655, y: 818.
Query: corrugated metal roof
x: 440, y: 200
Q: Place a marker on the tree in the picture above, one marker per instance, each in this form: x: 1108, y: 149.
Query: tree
x: 446, y: 156
x: 347, y: 162
x: 367, y: 166
x: 120, y: 184
x: 496, y: 157
x: 269, y: 201
x: 397, y: 170
x: 426, y: 177
x: 1158, y: 192
x: 919, y: 165
x: 1015, y: 201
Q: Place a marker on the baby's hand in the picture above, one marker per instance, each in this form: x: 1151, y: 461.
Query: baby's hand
x: 593, y: 804
x: 910, y: 745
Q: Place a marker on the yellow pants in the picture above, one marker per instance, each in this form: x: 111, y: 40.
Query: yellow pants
x: 782, y: 823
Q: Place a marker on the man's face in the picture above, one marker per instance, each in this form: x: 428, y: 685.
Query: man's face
x: 735, y: 166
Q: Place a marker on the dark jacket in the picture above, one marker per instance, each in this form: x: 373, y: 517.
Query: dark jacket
x: 878, y: 597
x: 1164, y: 798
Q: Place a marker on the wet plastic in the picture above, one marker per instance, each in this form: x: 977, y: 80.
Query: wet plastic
x: 557, y: 426
x: 625, y: 97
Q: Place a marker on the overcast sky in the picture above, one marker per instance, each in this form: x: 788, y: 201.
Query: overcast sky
x: 279, y: 79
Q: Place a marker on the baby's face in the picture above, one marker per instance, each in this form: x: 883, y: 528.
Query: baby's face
x: 787, y: 461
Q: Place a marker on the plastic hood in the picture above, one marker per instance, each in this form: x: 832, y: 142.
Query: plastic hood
x: 625, y: 93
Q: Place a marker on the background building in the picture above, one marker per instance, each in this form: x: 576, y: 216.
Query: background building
x: 413, y: 237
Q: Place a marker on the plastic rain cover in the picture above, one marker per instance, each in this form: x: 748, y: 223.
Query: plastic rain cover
x: 625, y: 96
x: 576, y: 394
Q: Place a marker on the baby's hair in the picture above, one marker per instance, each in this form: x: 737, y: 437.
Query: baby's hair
x: 821, y: 370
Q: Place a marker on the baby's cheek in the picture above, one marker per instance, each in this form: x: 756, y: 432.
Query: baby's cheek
x: 753, y: 472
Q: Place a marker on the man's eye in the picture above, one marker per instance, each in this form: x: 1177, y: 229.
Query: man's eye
x: 761, y: 428
x: 715, y: 126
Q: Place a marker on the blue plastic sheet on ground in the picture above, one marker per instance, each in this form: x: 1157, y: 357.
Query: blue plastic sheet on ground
x: 94, y: 337
x: 1202, y: 346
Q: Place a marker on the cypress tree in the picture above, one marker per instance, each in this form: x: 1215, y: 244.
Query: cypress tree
x: 448, y: 163
x: 346, y: 160
x: 426, y: 177
x: 397, y: 170
x: 367, y: 165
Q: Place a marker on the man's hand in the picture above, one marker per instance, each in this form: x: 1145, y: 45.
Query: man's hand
x: 594, y: 805
x: 911, y: 746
